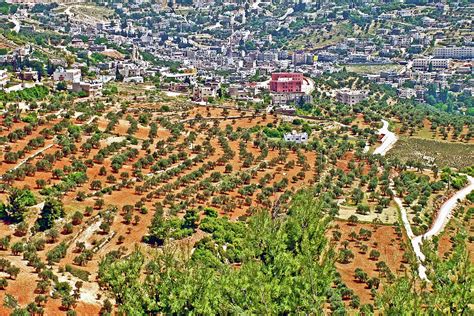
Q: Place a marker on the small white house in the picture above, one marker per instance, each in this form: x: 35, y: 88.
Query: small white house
x: 3, y: 78
x: 295, y: 137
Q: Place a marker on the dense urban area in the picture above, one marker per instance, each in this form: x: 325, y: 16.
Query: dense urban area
x: 236, y: 157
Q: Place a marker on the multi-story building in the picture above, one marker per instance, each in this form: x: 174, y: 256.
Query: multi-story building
x: 286, y: 82
x: 407, y: 93
x: 68, y: 75
x: 351, y: 97
x: 28, y: 75
x: 93, y: 89
x: 455, y: 52
x: 204, y: 93
x: 427, y: 63
x: 290, y: 98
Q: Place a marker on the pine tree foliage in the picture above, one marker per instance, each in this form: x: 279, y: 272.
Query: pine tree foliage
x: 264, y: 266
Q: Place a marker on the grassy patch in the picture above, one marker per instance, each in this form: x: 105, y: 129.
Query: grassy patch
x: 319, y: 39
x: 443, y: 153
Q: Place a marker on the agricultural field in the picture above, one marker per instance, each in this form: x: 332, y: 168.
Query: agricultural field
x: 88, y: 186
x: 430, y: 151
x: 316, y: 40
x: 87, y: 13
x: 430, y: 131
x: 369, y: 256
x: 461, y: 223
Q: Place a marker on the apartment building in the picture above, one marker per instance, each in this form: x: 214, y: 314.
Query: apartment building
x: 93, y: 88
x: 3, y: 78
x: 456, y: 52
x: 427, y: 63
x: 286, y: 82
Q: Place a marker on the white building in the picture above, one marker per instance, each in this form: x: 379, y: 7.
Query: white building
x: 407, y: 93
x: 424, y: 63
x: 93, y: 88
x: 295, y: 137
x: 135, y: 79
x: 427, y: 21
x: 68, y: 75
x: 204, y: 93
x: 463, y: 52
x: 3, y: 78
x: 350, y: 97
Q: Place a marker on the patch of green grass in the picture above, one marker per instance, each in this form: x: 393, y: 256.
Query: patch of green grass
x: 444, y: 154
x: 318, y: 39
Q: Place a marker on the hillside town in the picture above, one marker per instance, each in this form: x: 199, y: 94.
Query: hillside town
x: 196, y: 56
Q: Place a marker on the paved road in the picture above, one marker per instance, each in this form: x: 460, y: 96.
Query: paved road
x: 389, y: 139
x: 440, y: 222
x: 444, y: 213
x: 17, y: 23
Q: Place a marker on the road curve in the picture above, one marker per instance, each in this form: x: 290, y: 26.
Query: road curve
x: 438, y: 225
x: 389, y: 139
x: 440, y: 222
x: 443, y: 215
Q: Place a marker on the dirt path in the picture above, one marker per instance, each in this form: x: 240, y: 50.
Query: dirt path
x: 440, y: 222
x: 444, y: 213
x: 22, y: 162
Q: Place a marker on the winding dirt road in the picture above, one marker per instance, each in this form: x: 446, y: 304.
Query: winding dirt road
x: 438, y: 226
x: 443, y: 215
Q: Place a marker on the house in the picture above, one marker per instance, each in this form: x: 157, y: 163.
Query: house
x: 289, y: 98
x: 29, y: 75
x: 134, y: 79
x: 77, y: 43
x: 93, y: 88
x: 204, y: 93
x: 285, y: 110
x: 427, y: 21
x: 350, y: 97
x: 3, y: 78
x: 239, y: 92
x: 68, y: 75
x: 407, y: 93
x: 295, y: 137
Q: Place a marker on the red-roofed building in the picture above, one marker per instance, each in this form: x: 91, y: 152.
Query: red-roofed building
x: 286, y: 82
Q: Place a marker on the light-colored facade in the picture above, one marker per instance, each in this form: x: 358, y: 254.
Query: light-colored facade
x: 3, y: 78
x: 351, y: 97
x: 457, y: 52
x: 407, y: 93
x: 68, y: 75
x: 204, y: 93
x: 424, y: 63
x: 295, y: 137
x: 93, y: 89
